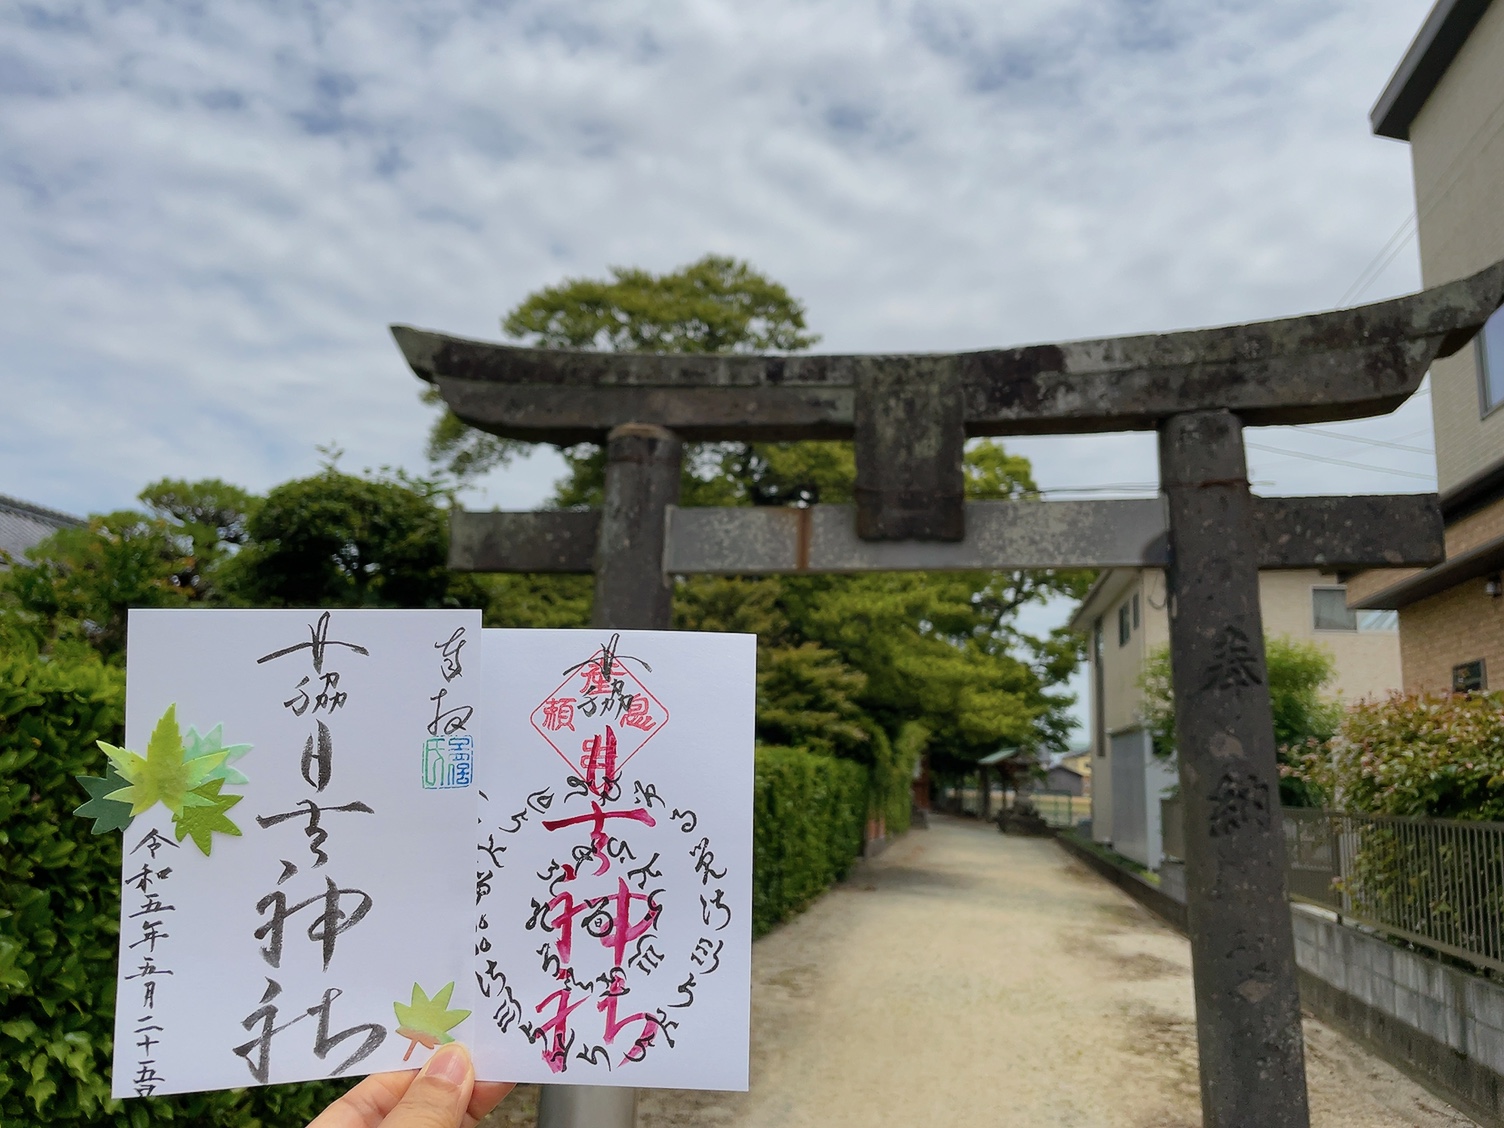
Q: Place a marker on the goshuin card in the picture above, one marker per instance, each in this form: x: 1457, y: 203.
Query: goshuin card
x: 297, y: 795
x: 615, y: 884
x: 303, y: 892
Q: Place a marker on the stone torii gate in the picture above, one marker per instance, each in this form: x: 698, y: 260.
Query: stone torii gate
x: 910, y: 417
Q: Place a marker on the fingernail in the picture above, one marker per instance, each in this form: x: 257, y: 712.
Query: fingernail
x: 451, y: 1063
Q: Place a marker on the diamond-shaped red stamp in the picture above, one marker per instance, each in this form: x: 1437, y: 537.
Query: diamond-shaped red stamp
x: 600, y: 703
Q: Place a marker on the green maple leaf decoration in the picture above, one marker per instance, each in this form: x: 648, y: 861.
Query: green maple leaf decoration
x: 195, y: 746
x: 108, y: 814
x: 200, y: 823
x: 162, y: 775
x: 425, y: 1020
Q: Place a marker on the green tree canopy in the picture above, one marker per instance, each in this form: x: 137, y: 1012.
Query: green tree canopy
x: 80, y: 581
x: 846, y: 664
x: 332, y: 540
x: 342, y: 540
x: 715, y: 305
x: 1302, y: 716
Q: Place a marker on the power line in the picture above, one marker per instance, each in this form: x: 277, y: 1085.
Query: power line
x: 1127, y: 487
x: 1340, y: 462
x: 1371, y: 272
x: 1312, y: 430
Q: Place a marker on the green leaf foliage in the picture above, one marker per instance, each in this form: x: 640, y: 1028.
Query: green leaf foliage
x: 524, y: 600
x: 1418, y: 755
x: 200, y: 822
x: 82, y: 580
x: 715, y: 305
x: 1297, y: 672
x: 59, y: 918
x: 342, y: 540
x: 211, y: 513
x: 808, y: 817
x: 108, y: 814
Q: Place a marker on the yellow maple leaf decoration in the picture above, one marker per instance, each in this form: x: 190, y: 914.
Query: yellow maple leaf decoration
x: 425, y: 1020
x: 162, y: 775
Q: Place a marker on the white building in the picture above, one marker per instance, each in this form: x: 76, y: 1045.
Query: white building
x: 1124, y: 617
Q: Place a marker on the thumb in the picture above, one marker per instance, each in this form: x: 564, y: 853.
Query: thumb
x: 439, y: 1094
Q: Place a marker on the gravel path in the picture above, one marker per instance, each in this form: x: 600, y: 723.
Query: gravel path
x: 966, y: 978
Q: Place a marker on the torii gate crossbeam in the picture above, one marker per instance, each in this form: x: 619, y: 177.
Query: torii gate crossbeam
x: 909, y: 417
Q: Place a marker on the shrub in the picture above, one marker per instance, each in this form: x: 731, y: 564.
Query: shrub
x: 60, y: 897
x: 808, y: 816
x: 893, y: 774
x: 60, y: 917
x: 1422, y: 755
x: 1418, y: 756
x: 1302, y: 717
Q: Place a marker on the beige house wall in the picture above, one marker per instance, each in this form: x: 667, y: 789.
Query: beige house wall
x: 1367, y: 662
x: 1457, y: 152
x: 1121, y: 664
x: 1478, y: 527
x: 1375, y: 580
x: 1466, y: 533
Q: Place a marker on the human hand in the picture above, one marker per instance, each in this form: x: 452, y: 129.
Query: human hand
x: 443, y: 1094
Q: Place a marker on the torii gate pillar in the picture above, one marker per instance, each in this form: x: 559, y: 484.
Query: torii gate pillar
x: 632, y: 592
x: 1242, y: 946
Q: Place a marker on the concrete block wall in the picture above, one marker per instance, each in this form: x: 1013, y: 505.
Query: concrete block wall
x: 1442, y: 1025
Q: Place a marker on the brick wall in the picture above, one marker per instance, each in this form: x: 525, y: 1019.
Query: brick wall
x: 1455, y: 626
x: 1476, y: 528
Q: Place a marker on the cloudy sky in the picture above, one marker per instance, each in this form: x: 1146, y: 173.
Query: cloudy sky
x: 210, y: 212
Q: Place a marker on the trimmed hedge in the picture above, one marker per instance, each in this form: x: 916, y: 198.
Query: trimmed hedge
x: 60, y: 919
x: 60, y: 899
x: 808, y: 816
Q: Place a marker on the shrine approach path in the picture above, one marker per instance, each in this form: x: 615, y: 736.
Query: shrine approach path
x: 967, y: 978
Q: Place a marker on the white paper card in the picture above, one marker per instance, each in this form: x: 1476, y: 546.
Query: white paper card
x: 615, y: 884
x: 290, y: 950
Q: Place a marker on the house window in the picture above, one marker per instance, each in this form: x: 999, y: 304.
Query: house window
x: 1329, y: 610
x: 1125, y: 628
x: 1378, y: 620
x: 1490, y: 353
x: 1135, y: 610
x: 1469, y: 677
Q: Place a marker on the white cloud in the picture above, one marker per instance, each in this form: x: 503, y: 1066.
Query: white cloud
x: 211, y: 212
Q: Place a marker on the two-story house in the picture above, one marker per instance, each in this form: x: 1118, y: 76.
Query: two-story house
x: 1124, y: 617
x: 1447, y: 100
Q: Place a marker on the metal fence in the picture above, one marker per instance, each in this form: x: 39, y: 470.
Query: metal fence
x: 1436, y: 882
x: 1061, y: 808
